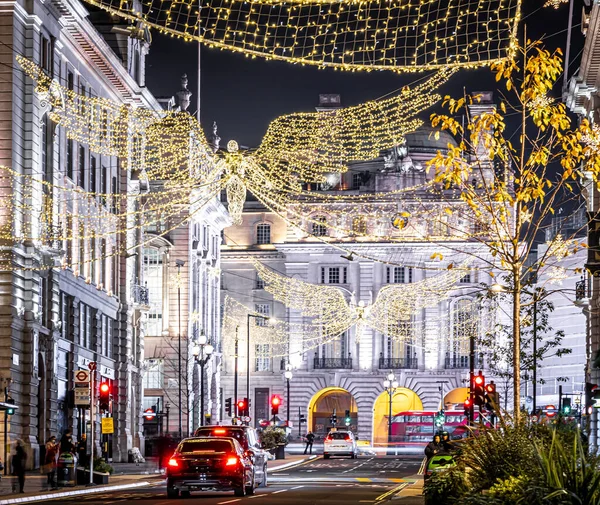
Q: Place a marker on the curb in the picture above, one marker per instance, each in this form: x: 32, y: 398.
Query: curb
x: 63, y: 494
x: 286, y: 465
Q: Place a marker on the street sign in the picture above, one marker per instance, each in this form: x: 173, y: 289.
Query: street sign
x: 149, y: 414
x: 550, y: 410
x: 82, y: 395
x: 108, y: 426
x: 92, y: 366
x: 82, y: 376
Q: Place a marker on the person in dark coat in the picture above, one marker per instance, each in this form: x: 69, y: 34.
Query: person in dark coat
x: 434, y: 447
x: 66, y: 442
x: 19, y: 462
x: 82, y: 457
x: 310, y: 438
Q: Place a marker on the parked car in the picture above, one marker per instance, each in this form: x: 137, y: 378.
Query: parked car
x: 250, y: 442
x: 200, y: 464
x: 340, y: 443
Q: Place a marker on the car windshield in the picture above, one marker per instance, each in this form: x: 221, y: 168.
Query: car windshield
x: 339, y: 436
x: 207, y: 445
x: 221, y: 431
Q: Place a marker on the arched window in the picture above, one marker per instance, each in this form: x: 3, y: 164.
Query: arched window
x: 153, y: 278
x: 263, y: 233
x: 318, y: 226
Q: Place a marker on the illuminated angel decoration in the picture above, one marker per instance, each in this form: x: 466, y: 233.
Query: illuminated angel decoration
x: 391, y: 311
x: 170, y: 146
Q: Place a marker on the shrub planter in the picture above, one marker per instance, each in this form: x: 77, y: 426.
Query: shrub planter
x: 83, y: 477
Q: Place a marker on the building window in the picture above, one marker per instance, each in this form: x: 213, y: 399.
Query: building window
x: 47, y: 148
x: 262, y: 358
x: 46, y: 54
x: 70, y: 160
x: 399, y: 275
x: 114, y: 193
x: 153, y: 277
x: 103, y: 182
x: 93, y: 174
x: 464, y: 327
x: 359, y: 225
x: 154, y: 376
x: 334, y: 275
x: 318, y: 227
x: 81, y: 181
x: 263, y: 233
x: 263, y: 309
x: 357, y: 179
x: 259, y: 283
x: 70, y: 80
x: 465, y: 279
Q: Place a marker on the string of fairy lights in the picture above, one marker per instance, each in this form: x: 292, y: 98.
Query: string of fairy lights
x: 346, y: 35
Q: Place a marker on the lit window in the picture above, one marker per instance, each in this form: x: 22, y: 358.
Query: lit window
x: 263, y: 359
x: 318, y: 227
x: 154, y: 374
x: 153, y: 277
x: 263, y: 234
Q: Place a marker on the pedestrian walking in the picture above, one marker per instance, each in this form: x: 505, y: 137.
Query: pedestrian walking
x: 19, y: 461
x: 82, y: 456
x: 309, y: 437
x: 50, y: 460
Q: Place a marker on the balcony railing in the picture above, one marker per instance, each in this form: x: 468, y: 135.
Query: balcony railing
x: 395, y: 363
x: 326, y: 363
x: 457, y: 362
x: 140, y: 294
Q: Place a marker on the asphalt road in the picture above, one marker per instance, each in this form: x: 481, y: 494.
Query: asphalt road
x: 337, y: 481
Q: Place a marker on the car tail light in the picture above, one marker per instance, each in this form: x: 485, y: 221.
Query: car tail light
x: 220, y: 431
x: 328, y: 437
x: 173, y: 463
x: 232, y: 461
x: 347, y: 437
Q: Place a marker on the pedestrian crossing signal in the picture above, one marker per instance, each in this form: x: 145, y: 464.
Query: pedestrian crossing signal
x: 347, y: 418
x: 228, y: 407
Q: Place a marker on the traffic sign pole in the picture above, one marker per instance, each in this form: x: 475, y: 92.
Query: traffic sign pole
x: 92, y: 386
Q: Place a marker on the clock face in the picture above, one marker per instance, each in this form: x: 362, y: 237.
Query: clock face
x: 399, y: 221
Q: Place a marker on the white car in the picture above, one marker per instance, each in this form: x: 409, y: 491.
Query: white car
x: 340, y: 443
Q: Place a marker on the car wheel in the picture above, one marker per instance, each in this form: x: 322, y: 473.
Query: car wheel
x: 185, y: 494
x: 326, y: 456
x: 172, y: 492
x: 352, y: 456
x: 265, y: 478
x: 240, y: 491
x: 250, y: 488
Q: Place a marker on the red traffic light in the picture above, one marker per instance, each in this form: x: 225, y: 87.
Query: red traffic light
x: 275, y: 401
x: 490, y: 388
x: 479, y: 380
x: 241, y: 405
x: 467, y: 403
x: 104, y: 388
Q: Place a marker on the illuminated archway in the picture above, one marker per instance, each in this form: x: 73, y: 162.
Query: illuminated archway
x: 322, y: 405
x: 403, y: 400
x: 455, y: 398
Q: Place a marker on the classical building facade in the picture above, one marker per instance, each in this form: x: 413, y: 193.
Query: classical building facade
x: 582, y: 97
x: 69, y: 297
x: 344, y: 374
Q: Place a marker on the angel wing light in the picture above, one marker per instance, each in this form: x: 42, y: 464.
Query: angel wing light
x: 392, y: 310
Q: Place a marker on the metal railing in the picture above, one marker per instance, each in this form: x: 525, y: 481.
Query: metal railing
x: 140, y: 294
x: 326, y: 363
x: 395, y: 363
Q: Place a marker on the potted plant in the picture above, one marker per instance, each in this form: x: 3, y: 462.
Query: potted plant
x: 274, y: 440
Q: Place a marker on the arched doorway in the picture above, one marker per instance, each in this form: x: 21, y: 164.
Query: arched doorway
x: 323, y: 405
x: 455, y: 399
x: 404, y: 399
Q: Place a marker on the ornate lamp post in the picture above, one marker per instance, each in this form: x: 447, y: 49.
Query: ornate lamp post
x: 202, y: 351
x: 288, y: 377
x: 390, y: 384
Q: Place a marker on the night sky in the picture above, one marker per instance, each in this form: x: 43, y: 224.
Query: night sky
x: 244, y: 95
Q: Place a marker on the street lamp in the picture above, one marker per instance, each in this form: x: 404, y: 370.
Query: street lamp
x: 179, y: 264
x: 288, y: 376
x: 390, y: 384
x: 256, y: 316
x: 202, y: 351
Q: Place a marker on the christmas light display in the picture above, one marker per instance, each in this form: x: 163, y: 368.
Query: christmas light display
x: 348, y: 35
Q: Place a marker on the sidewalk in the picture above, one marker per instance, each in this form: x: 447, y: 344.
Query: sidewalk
x: 411, y: 495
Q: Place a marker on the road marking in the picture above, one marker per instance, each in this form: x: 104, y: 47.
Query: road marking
x: 391, y: 492
x: 363, y: 479
x: 366, y: 501
x: 229, y: 501
x: 422, y: 467
x: 280, y: 491
x: 297, y: 487
x: 357, y: 466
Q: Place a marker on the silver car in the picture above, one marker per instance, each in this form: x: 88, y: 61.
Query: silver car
x: 340, y: 443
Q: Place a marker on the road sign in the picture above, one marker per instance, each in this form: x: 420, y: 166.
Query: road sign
x: 108, y: 426
x: 550, y: 410
x: 82, y: 396
x: 92, y: 366
x: 149, y: 414
x: 82, y: 376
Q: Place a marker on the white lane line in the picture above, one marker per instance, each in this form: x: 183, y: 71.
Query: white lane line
x: 358, y: 466
x: 297, y: 487
x: 280, y: 491
x: 229, y: 501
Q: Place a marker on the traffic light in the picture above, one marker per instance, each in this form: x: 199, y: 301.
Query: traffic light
x: 596, y: 398
x: 302, y: 419
x: 9, y: 411
x: 104, y: 397
x: 241, y: 407
x: 478, y: 388
x: 440, y: 419
x: 347, y: 418
x: 275, y: 403
x: 333, y: 419
x: 491, y: 397
x: 566, y: 406
x: 468, y: 406
x: 228, y: 407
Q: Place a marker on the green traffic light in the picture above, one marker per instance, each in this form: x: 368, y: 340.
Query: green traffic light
x: 10, y: 412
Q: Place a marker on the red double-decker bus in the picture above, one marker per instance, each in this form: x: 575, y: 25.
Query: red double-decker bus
x: 417, y: 426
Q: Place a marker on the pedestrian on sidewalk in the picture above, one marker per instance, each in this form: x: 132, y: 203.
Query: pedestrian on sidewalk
x: 66, y: 442
x: 18, y: 465
x: 310, y: 438
x: 50, y: 461
x: 82, y: 455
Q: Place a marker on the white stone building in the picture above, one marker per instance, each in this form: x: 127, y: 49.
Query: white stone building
x: 56, y: 320
x: 343, y: 374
